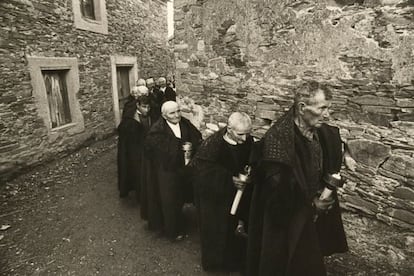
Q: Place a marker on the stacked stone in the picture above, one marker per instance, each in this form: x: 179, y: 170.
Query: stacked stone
x: 46, y: 29
x: 250, y: 55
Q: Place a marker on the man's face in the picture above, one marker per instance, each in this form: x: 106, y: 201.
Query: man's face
x: 317, y: 111
x: 239, y: 133
x: 172, y: 115
x: 150, y: 85
x: 162, y: 83
x: 134, y: 93
x: 143, y: 108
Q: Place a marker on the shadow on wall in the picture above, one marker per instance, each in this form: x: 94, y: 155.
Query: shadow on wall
x: 349, y: 2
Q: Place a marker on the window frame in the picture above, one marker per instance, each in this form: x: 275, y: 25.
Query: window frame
x: 99, y: 25
x: 70, y: 65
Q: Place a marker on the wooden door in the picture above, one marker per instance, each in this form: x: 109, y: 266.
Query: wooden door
x: 122, y: 78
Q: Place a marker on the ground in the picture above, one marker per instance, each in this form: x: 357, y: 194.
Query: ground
x: 66, y: 218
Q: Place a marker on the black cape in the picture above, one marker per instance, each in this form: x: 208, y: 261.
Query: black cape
x: 171, y: 185
x: 133, y: 167
x: 214, y: 165
x: 283, y: 239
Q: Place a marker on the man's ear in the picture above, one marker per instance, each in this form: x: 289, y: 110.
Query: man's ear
x: 301, y: 108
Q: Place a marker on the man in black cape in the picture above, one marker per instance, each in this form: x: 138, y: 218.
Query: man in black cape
x: 161, y: 94
x: 133, y: 167
x: 290, y: 228
x: 217, y: 165
x: 164, y: 143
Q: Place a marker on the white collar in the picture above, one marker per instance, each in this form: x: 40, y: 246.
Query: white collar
x: 175, y: 129
x: 229, y: 140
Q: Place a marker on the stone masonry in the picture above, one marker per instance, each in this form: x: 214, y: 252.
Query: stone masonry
x: 46, y: 29
x: 248, y: 55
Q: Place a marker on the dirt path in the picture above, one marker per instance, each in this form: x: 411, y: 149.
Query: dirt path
x: 65, y: 218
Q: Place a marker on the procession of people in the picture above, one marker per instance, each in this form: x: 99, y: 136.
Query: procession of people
x: 263, y: 207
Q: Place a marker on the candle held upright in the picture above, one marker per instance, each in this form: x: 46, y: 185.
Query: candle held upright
x: 188, y: 149
x: 245, y: 178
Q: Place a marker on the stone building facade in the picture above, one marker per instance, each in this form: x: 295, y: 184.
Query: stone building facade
x: 248, y: 55
x: 66, y: 67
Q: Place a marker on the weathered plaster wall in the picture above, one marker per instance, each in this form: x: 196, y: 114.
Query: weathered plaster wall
x: 248, y: 55
x: 46, y: 29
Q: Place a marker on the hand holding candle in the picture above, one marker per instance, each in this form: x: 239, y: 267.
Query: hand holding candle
x: 325, y: 201
x: 240, y: 182
x: 332, y: 182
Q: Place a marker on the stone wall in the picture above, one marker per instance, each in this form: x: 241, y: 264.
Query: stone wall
x: 46, y: 29
x: 248, y: 55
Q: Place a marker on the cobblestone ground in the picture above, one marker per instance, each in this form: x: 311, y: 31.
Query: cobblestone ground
x: 65, y: 218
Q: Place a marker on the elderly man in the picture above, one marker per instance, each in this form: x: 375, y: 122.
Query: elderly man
x: 130, y: 106
x: 217, y: 165
x: 164, y: 93
x: 165, y: 143
x: 291, y: 228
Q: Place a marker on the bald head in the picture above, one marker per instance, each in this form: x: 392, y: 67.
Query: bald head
x: 239, y: 126
x: 239, y: 120
x: 171, y: 112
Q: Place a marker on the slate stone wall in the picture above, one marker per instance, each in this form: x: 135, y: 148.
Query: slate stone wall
x: 46, y: 29
x: 248, y: 55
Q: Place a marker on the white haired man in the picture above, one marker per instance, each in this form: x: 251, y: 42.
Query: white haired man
x: 217, y: 165
x: 164, y: 143
x: 290, y: 227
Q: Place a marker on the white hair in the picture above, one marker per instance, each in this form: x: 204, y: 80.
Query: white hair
x: 161, y: 80
x: 141, y: 82
x: 142, y: 90
x: 168, y: 105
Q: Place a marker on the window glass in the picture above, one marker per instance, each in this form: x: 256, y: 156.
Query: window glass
x: 88, y: 9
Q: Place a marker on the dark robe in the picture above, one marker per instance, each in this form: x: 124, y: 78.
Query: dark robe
x: 133, y: 167
x: 172, y: 185
x: 155, y: 103
x: 215, y: 163
x: 129, y: 108
x: 283, y: 237
x: 157, y: 98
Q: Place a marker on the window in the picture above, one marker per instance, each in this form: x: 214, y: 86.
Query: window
x: 124, y: 72
x: 55, y: 83
x: 87, y: 9
x: 57, y: 97
x: 90, y: 15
